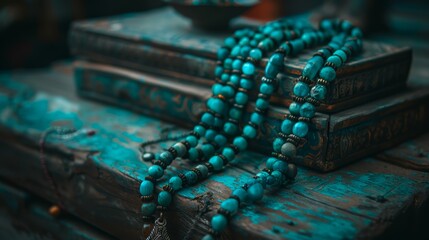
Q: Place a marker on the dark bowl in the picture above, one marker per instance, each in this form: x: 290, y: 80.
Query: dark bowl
x: 213, y: 15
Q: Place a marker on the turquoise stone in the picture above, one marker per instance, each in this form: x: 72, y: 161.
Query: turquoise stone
x: 218, y: 122
x: 278, y: 176
x: 228, y: 153
x: 228, y: 91
x: 220, y: 139
x: 148, y: 208
x: 256, y: 118
x: 280, y: 166
x: 267, y: 29
x: 341, y: 54
x: 217, y: 163
x: 308, y: 38
x: 245, y: 50
x: 246, y: 84
x: 203, y: 170
x: 328, y: 74
x: 217, y: 105
x: 166, y: 157
x: 207, y: 118
x: 200, y: 130
x: 164, y: 198
x: 336, y: 60
x: 241, y: 194
x: 191, y: 177
x: 155, y: 171
x: 240, y: 143
x: 227, y: 63
x: 270, y: 162
x: 262, y: 103
x: 208, y: 237
x: 277, y: 144
x: 224, y: 77
x: 312, y: 67
x: 326, y: 24
x: 241, y: 98
x: 235, y: 113
x: 288, y: 149
x: 287, y: 126
x: 180, y: 148
x: 277, y: 35
x: 249, y: 131
x: 192, y: 140
x: 356, y: 32
x: 217, y: 89
x: 230, y: 205
x: 266, y: 44
x: 256, y: 54
x: 300, y: 129
x: 334, y: 45
x: 346, y: 25
x: 230, y: 128
x: 237, y: 64
x: 193, y: 154
x: 210, y: 134
x: 234, y: 79
x: 235, y: 51
x: 318, y: 92
x: 175, y: 183
x: 307, y: 110
x: 294, y: 108
x: 298, y: 46
x: 256, y: 192
x: 219, y: 222
x: 248, y: 68
x: 218, y: 71
x: 230, y: 42
x: 208, y: 150
x: 275, y: 64
x: 266, y: 89
x: 258, y: 36
x: 301, y: 89
x: 146, y: 188
x: 222, y: 53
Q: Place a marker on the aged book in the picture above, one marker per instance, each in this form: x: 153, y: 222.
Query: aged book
x: 334, y: 139
x: 172, y: 48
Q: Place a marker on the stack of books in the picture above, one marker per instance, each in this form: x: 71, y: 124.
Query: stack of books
x: 158, y: 64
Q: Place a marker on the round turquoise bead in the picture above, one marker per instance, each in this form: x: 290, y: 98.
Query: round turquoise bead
x: 220, y: 139
x: 256, y: 54
x: 277, y: 144
x: 224, y: 77
x: 180, y: 149
x: 203, y: 170
x: 241, y: 194
x: 270, y: 162
x: 245, y: 50
x: 200, y: 130
x: 234, y: 79
x: 217, y: 105
x: 237, y: 64
x: 277, y: 35
x: 219, y: 222
x: 301, y: 89
x: 222, y: 53
x: 266, y: 44
x: 218, y: 122
x: 228, y: 91
x: 280, y: 166
x: 218, y: 71
x: 326, y: 24
x: 210, y: 134
x: 235, y: 113
x: 216, y: 162
x: 155, y: 171
x: 241, y: 98
x: 346, y: 25
x: 300, y: 129
x: 341, y: 54
x: 278, y: 176
x: 192, y: 140
x: 230, y: 204
x: 249, y: 131
x: 166, y: 157
x: 258, y: 36
x: 307, y: 38
x: 307, y: 110
x: 193, y: 154
x: 294, y: 108
x: 356, y: 32
x: 230, y: 128
x: 246, y: 84
x: 336, y: 60
x: 208, y: 237
x: 228, y: 153
x: 164, y: 198
x: 288, y: 149
x: 217, y: 89
x: 262, y: 103
x: 266, y: 88
x: 256, y: 192
x: 240, y: 143
x: 175, y: 183
x: 318, y: 92
x: 328, y: 74
x: 207, y: 118
x: 248, y: 68
x: 256, y: 118
x: 297, y: 46
x: 148, y: 208
x: 208, y: 150
x: 146, y: 188
x: 235, y: 51
x: 230, y: 42
x: 287, y: 126
x: 191, y: 177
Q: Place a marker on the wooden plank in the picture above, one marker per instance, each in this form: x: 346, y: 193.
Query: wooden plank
x: 98, y: 177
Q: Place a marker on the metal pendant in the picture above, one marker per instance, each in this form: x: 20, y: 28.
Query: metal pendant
x: 159, y: 231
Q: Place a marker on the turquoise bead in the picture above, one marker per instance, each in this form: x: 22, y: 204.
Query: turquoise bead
x: 146, y: 188
x: 217, y: 105
x: 241, y: 98
x: 249, y: 131
x: 326, y: 24
x: 307, y: 110
x: 346, y: 26
x: 164, y: 198
x: 301, y: 89
x: 193, y: 154
x: 356, y: 32
x: 208, y: 237
x: 234, y: 79
x: 230, y: 42
x: 219, y: 222
x: 328, y: 74
x: 334, y: 45
x: 230, y: 128
x: 228, y: 153
x: 218, y: 71
x: 224, y: 77
x: 253, y: 43
x: 235, y: 113
x: 192, y: 140
x: 180, y: 149
x: 307, y: 38
x: 155, y: 171
x: 312, y: 67
x: 218, y: 122
x: 220, y: 139
x: 341, y: 54
x: 277, y: 35
x: 235, y: 51
x: 216, y: 162
x: 280, y: 166
x: 191, y: 177
x: 266, y: 44
x: 248, y: 68
x: 245, y: 50
x: 208, y: 150
x: 203, y: 170
x: 148, y: 208
x: 240, y: 143
x: 336, y: 60
x: 258, y: 36
x: 297, y: 46
x: 288, y: 149
x: 237, y: 64
x: 228, y: 91
x: 300, y: 129
x: 217, y: 89
x: 275, y: 64
x: 246, y: 84
x: 262, y: 103
x: 210, y: 134
x: 277, y: 144
x: 227, y: 63
x: 256, y: 118
x: 200, y: 130
x: 230, y: 205
x: 166, y: 157
x: 222, y: 53
x: 318, y: 92
x: 207, y: 118
x: 278, y: 176
x: 270, y: 161
x: 175, y: 183
x: 267, y: 29
x: 287, y: 126
x: 266, y: 89
x: 241, y: 194
x: 256, y: 192
x: 294, y: 108
x: 256, y: 54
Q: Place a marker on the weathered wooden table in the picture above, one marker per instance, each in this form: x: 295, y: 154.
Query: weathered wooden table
x: 96, y: 177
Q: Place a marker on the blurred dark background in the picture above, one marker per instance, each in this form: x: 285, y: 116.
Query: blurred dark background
x: 33, y: 33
